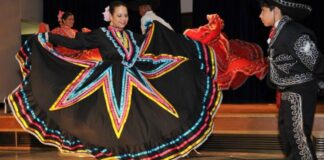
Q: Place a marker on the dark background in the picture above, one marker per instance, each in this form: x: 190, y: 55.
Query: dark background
x: 241, y: 18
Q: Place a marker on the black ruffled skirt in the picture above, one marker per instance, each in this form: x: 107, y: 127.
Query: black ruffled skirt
x: 161, y: 105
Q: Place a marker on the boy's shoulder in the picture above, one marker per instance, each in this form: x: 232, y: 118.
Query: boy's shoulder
x: 296, y: 28
x: 293, y: 30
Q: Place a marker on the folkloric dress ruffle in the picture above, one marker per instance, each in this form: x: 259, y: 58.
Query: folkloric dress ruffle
x: 65, y: 31
x: 154, y: 99
x: 236, y: 59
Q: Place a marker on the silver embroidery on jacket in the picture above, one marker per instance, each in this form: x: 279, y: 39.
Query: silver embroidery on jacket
x: 298, y: 124
x: 306, y: 51
x: 289, y: 80
x: 286, y: 67
x: 321, y: 84
x: 283, y: 57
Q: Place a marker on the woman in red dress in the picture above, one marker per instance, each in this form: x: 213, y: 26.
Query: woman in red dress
x: 236, y: 59
x: 66, y: 21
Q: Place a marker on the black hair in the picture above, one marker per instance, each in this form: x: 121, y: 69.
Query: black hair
x: 265, y: 3
x: 115, y: 4
x: 66, y: 15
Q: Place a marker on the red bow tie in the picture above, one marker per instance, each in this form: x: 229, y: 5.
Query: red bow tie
x: 272, y: 32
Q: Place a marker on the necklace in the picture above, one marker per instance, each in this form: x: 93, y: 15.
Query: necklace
x: 129, y: 54
x: 122, y: 37
x: 69, y: 32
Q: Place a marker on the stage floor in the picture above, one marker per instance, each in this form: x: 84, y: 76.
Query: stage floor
x: 55, y: 155
x: 253, y: 124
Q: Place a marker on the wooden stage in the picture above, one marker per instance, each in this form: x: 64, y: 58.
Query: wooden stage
x: 238, y: 127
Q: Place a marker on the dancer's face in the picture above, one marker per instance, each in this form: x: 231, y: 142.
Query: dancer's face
x: 267, y: 16
x: 119, y: 18
x: 69, y: 21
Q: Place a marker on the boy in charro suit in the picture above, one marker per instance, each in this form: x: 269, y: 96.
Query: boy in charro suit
x: 293, y: 58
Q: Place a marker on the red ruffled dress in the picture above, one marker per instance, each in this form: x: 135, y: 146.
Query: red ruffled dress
x: 236, y: 59
x: 66, y: 31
